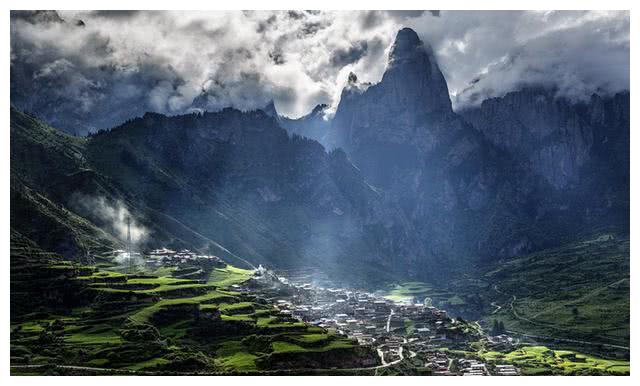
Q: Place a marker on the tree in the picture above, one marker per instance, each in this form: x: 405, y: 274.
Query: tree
x: 575, y: 312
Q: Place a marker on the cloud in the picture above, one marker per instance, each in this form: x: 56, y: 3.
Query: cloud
x: 119, y: 64
x: 112, y: 216
x: 486, y: 54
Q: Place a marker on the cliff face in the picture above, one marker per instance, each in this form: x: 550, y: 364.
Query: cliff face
x: 450, y: 181
x: 554, y: 137
x: 411, y: 186
x: 408, y: 106
x: 233, y: 183
x: 518, y: 173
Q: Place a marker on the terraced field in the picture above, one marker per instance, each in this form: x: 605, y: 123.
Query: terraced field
x: 162, y: 324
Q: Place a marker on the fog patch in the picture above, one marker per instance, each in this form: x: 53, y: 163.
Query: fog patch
x: 112, y: 216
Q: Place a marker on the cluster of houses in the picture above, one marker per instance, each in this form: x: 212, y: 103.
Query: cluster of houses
x: 472, y: 367
x: 396, y: 330
x: 363, y: 316
x: 505, y: 370
x: 169, y: 258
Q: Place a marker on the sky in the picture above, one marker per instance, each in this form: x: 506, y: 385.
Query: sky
x: 99, y: 68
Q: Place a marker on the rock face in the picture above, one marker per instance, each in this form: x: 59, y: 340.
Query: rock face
x: 410, y: 185
x: 230, y: 182
x: 519, y: 173
x: 404, y: 137
x: 314, y: 125
x: 552, y: 136
x: 403, y: 108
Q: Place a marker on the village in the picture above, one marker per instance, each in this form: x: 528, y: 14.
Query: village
x: 424, y: 336
x: 401, y: 332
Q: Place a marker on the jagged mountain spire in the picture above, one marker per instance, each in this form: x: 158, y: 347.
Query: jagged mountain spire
x: 406, y: 45
x: 411, y: 96
x: 414, y: 71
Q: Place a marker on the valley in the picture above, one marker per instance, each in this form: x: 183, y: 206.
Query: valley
x: 390, y: 232
x: 196, y: 314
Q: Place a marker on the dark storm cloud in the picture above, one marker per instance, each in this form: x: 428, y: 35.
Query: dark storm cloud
x: 341, y: 57
x: 123, y: 63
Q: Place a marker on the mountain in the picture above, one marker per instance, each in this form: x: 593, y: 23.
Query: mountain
x: 409, y: 186
x: 232, y: 183
x: 580, y: 148
x: 555, y: 137
x: 314, y: 125
x: 457, y: 188
x: 520, y: 173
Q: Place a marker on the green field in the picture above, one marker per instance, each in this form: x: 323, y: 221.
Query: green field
x: 153, y: 324
x: 407, y: 291
x: 228, y: 276
x: 579, y: 292
x: 540, y: 360
x: 574, y: 296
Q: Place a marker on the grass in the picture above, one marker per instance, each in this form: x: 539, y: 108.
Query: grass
x: 232, y: 355
x: 88, y: 338
x: 228, y: 276
x: 92, y: 334
x: 312, y: 339
x: 237, y: 308
x: 279, y: 346
x: 579, y: 291
x: 144, y: 315
x: 406, y: 291
x: 159, y: 285
x: 286, y: 347
x: 540, y: 359
x: 409, y: 326
x: 148, y: 364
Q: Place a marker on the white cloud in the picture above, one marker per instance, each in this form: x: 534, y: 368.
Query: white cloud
x: 161, y: 61
x: 579, y: 52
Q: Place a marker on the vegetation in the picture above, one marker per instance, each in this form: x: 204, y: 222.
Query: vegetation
x: 143, y: 323
x: 575, y: 296
x: 540, y: 360
x: 579, y: 292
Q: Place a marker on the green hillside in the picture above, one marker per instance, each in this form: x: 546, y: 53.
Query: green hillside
x: 85, y: 320
x: 574, y: 296
x: 579, y: 292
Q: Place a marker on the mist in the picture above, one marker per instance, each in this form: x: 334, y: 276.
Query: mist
x: 112, y: 217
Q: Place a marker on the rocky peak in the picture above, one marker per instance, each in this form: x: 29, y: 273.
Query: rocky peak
x: 406, y: 46
x: 407, y: 105
x: 413, y: 70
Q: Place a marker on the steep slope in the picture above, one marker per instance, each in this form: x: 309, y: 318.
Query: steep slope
x: 483, y: 189
x: 580, y: 148
x: 232, y: 183
x: 238, y: 177
x: 453, y: 184
x: 555, y: 137
x: 46, y: 167
x: 314, y: 125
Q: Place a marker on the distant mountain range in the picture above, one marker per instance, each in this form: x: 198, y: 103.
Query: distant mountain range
x: 403, y: 185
